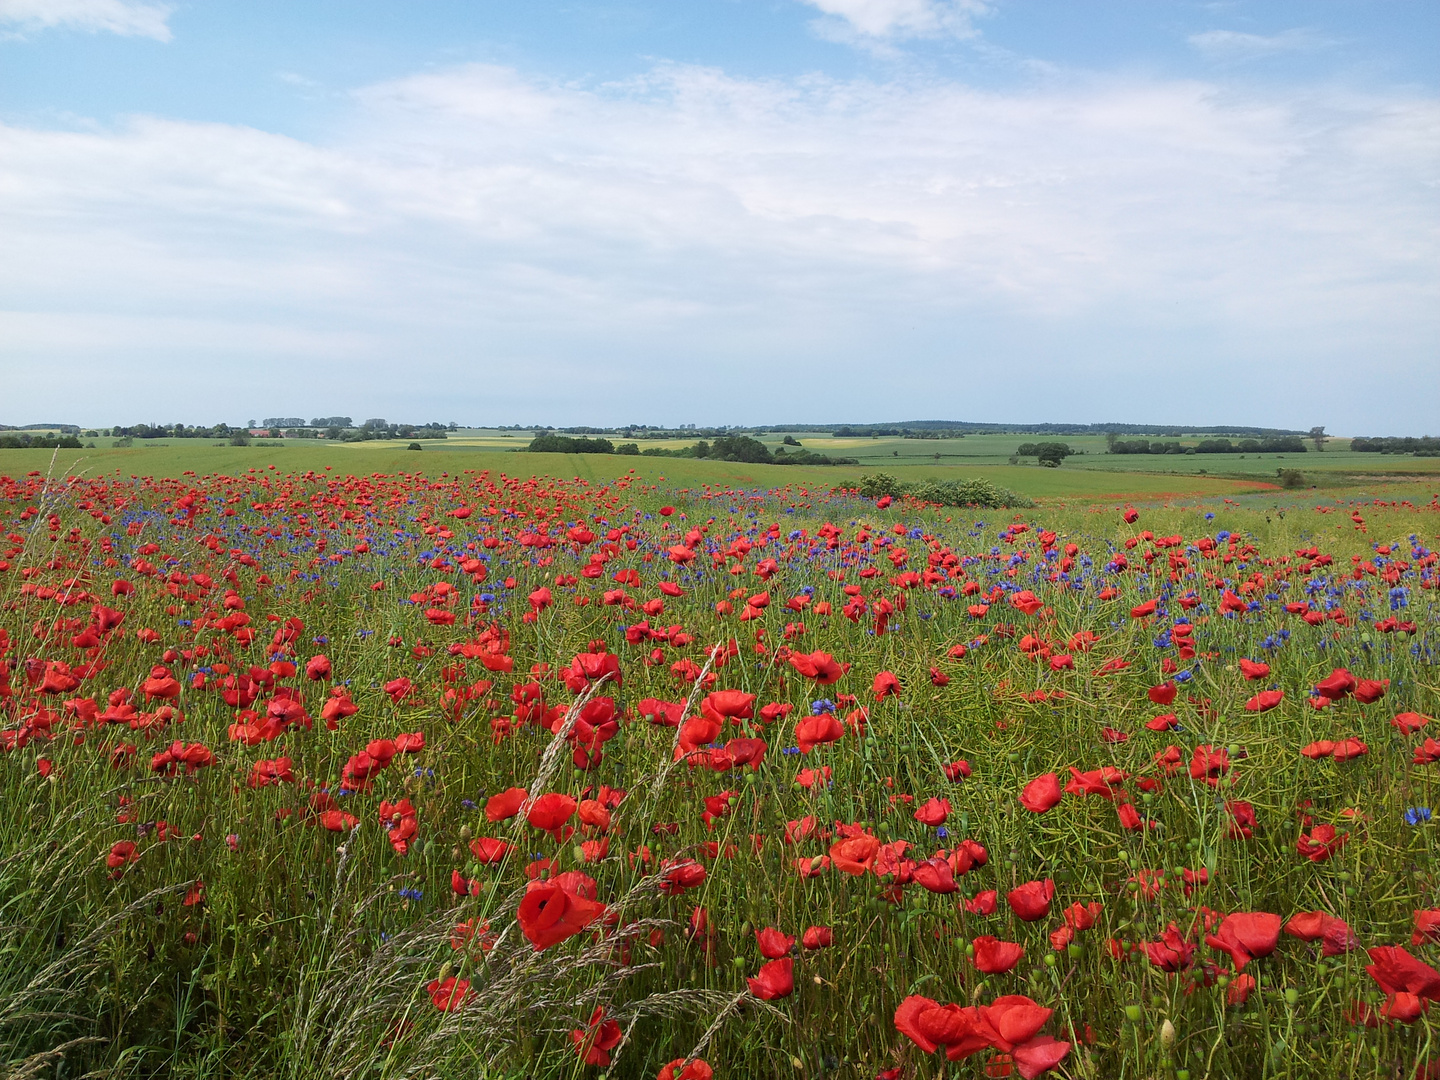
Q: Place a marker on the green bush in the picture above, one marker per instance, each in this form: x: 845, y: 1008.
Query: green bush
x: 975, y: 492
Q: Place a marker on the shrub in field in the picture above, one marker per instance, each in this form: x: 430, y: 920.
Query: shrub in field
x: 482, y: 775
x: 978, y: 493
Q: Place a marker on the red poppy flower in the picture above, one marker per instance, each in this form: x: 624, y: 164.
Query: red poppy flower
x: 599, y: 1037
x: 1322, y: 842
x: 505, y: 804
x: 935, y: 875
x: 1031, y: 901
x: 1265, y: 701
x: 820, y: 937
x: 933, y: 812
x: 725, y: 705
x: 1396, y: 972
x: 1369, y: 691
x: 1246, y: 936
x: 1242, y: 819
x: 549, y: 913
x: 820, y: 666
x: 679, y: 1069
x: 550, y: 811
x: 1209, y: 764
x: 995, y: 957
x: 1336, y: 935
x: 1336, y: 685
x: 1239, y: 989
x: 1253, y: 670
x: 773, y: 943
x: 885, y: 685
x: 489, y: 850
x: 1171, y: 953
x: 1041, y: 794
x: 816, y: 730
x: 1427, y: 927
x: 983, y: 903
x: 681, y: 876
x: 450, y: 995
x: 855, y: 855
x: 1163, y: 694
x: 1102, y: 782
x: 1409, y: 722
x: 774, y: 980
x: 121, y: 852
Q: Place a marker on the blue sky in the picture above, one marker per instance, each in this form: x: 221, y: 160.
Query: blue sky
x: 721, y: 211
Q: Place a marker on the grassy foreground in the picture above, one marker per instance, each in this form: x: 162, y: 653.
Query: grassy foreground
x: 276, y: 741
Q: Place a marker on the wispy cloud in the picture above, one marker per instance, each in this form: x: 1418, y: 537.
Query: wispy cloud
x: 891, y: 20
x: 688, y: 236
x: 1234, y: 45
x: 129, y: 18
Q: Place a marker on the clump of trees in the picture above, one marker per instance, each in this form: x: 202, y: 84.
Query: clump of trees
x: 570, y: 444
x: 979, y: 493
x: 1050, y: 454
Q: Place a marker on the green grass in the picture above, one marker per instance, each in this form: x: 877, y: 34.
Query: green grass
x: 181, y: 456
x: 306, y: 959
x: 1093, y: 474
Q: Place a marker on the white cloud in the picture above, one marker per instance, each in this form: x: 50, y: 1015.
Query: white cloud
x: 565, y: 250
x: 129, y: 18
x: 893, y: 19
x: 1233, y: 45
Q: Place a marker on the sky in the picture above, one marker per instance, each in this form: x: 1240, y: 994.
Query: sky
x: 721, y: 211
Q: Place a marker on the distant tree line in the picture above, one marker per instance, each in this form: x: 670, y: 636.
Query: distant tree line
x: 1286, y: 444
x: 172, y: 431
x: 336, y: 428
x: 725, y: 448
x: 1425, y: 446
x: 39, y: 442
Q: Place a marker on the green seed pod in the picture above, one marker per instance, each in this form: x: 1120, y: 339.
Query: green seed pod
x: 1133, y: 1013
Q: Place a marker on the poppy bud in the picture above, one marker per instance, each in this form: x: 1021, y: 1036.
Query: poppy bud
x: 1167, y: 1034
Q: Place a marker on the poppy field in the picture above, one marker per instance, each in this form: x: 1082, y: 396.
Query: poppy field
x: 468, y: 774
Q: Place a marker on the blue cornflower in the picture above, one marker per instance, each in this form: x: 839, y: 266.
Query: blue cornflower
x: 941, y: 832
x: 1417, y: 815
x: 824, y: 705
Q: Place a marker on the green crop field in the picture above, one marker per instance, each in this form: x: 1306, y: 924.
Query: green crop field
x: 1092, y: 475
x: 348, y: 761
